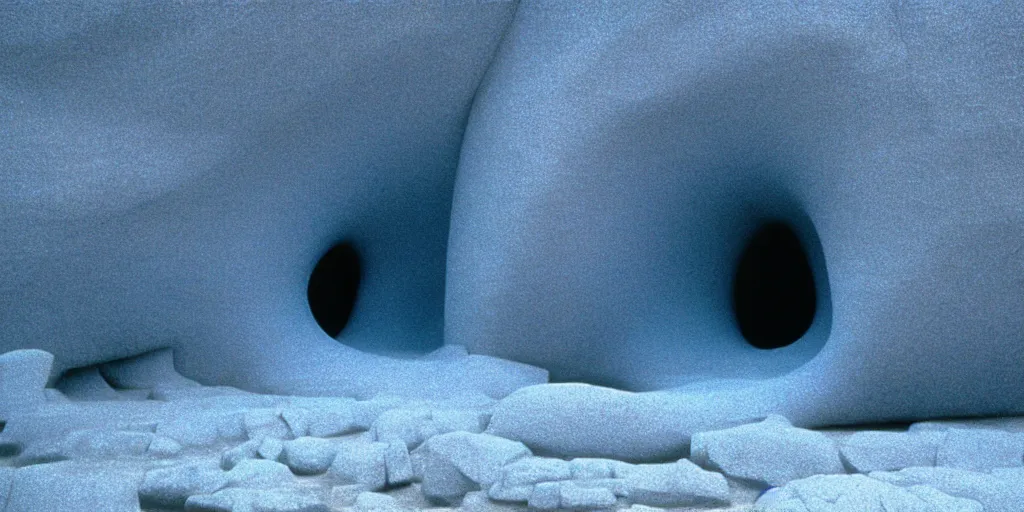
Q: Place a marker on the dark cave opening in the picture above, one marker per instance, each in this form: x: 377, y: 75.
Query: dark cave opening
x: 774, y: 295
x: 333, y: 287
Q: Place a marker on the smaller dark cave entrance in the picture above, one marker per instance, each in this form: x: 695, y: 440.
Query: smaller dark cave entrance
x: 333, y: 286
x: 774, y: 296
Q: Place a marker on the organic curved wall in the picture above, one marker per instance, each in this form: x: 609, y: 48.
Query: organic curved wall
x: 570, y: 187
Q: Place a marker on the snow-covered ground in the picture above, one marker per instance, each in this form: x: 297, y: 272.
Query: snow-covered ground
x: 136, y: 435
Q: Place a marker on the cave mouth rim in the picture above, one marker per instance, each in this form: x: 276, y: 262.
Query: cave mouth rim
x: 333, y: 287
x: 775, y: 295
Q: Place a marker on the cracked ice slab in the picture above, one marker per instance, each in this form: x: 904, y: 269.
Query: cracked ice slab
x: 771, y: 452
x: 858, y: 493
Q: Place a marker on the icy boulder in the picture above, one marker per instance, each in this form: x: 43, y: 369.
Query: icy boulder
x: 856, y: 493
x: 770, y: 453
x: 459, y: 462
x: 869, y: 451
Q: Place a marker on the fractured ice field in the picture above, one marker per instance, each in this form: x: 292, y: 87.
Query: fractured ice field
x: 491, y: 255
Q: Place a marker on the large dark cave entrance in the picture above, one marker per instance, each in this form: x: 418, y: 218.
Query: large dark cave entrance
x: 333, y: 286
x: 774, y: 296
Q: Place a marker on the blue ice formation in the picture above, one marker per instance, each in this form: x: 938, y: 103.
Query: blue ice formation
x: 570, y: 188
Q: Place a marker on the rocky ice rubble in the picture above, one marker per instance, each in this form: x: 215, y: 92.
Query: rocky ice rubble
x: 157, y: 441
